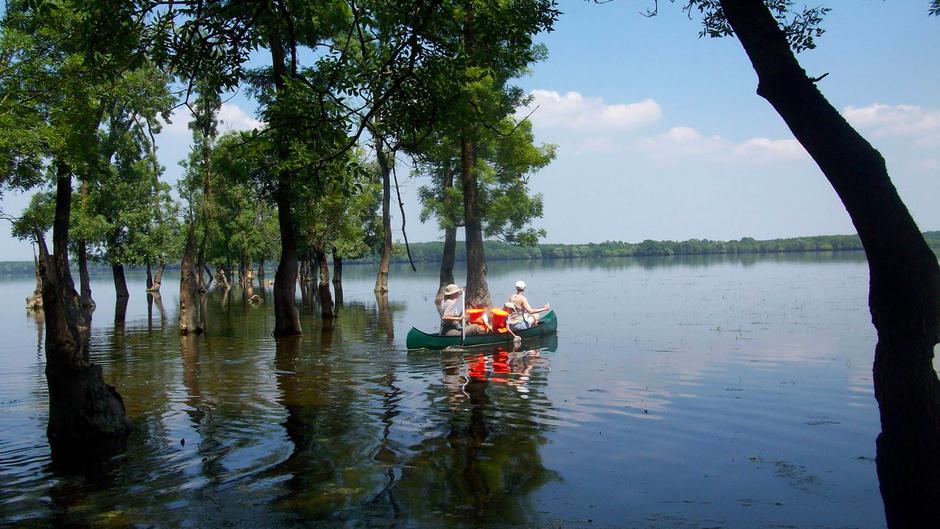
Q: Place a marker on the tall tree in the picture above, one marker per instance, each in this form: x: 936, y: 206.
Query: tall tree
x: 60, y: 59
x: 904, y: 274
x: 496, y: 43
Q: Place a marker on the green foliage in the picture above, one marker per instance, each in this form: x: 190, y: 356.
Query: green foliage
x: 36, y: 219
x: 801, y: 26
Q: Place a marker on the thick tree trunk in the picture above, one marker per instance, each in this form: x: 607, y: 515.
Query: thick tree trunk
x: 478, y: 292
x: 85, y: 414
x: 286, y: 315
x: 323, y: 290
x: 120, y: 282
x: 904, y: 275
x: 201, y: 284
x: 381, y: 278
x: 190, y: 322
x: 83, y: 277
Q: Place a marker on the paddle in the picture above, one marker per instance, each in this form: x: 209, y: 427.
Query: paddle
x: 463, y: 314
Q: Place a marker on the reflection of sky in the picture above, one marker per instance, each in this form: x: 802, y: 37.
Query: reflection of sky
x: 680, y: 390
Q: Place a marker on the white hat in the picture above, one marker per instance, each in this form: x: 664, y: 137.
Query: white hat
x: 451, y: 289
x: 520, y: 285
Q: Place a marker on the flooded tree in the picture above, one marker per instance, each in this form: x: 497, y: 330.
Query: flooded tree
x: 904, y: 274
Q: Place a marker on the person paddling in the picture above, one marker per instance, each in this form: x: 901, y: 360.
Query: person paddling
x: 521, y: 315
x: 452, y: 314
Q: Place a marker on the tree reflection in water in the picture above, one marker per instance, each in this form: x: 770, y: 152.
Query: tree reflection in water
x: 486, y: 465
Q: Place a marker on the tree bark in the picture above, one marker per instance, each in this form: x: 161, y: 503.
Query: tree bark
x: 149, y: 277
x: 326, y: 298
x: 83, y: 276
x: 449, y: 256
x: 381, y: 278
x: 158, y: 277
x: 478, y: 292
x: 84, y: 413
x: 190, y: 322
x: 337, y: 278
x: 201, y: 284
x: 286, y: 315
x: 904, y: 275
x: 120, y: 282
x: 34, y: 302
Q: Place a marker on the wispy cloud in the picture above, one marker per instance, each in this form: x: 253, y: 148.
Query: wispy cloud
x: 574, y: 111
x: 896, y: 121
x: 682, y: 143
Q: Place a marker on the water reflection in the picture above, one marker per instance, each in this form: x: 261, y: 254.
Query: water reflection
x: 485, y: 459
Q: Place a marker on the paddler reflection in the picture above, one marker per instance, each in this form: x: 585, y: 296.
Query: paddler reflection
x: 501, y: 366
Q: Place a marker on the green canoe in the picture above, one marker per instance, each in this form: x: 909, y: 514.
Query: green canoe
x: 548, y: 324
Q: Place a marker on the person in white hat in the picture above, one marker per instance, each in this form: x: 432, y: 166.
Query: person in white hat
x: 521, y: 314
x: 452, y: 313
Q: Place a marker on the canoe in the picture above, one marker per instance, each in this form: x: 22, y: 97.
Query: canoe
x: 417, y: 339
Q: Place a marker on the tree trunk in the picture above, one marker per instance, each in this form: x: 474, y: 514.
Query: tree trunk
x: 158, y: 277
x: 286, y: 315
x: 201, y: 265
x: 478, y: 293
x: 337, y: 278
x: 149, y: 277
x: 120, y: 282
x: 189, y: 309
x: 85, y: 414
x: 904, y: 275
x: 261, y: 273
x: 326, y: 298
x: 34, y: 302
x: 381, y: 278
x: 83, y: 277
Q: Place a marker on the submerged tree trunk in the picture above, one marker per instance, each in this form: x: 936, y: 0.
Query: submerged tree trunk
x: 34, y: 302
x: 190, y: 322
x: 158, y: 277
x: 120, y: 282
x: 904, y: 275
x: 286, y: 315
x: 83, y: 276
x: 478, y: 292
x: 149, y: 277
x: 85, y: 414
x: 381, y: 278
x: 323, y: 290
x: 337, y: 278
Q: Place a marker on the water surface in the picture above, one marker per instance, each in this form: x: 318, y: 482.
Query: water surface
x: 700, y: 392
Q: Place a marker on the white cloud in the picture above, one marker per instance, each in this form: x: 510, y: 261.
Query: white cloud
x: 680, y: 143
x: 895, y: 120
x: 230, y: 117
x: 574, y: 111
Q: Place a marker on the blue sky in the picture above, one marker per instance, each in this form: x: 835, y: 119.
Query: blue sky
x: 661, y: 135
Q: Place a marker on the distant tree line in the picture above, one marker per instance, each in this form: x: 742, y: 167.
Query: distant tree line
x: 498, y: 250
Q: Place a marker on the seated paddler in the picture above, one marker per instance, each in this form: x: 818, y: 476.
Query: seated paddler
x: 453, y: 316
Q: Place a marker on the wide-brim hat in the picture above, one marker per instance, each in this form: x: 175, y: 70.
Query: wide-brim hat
x: 451, y: 289
x: 520, y: 285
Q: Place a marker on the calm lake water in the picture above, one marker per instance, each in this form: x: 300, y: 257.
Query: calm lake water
x: 703, y: 392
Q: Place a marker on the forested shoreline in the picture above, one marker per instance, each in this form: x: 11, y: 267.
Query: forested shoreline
x: 430, y: 252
